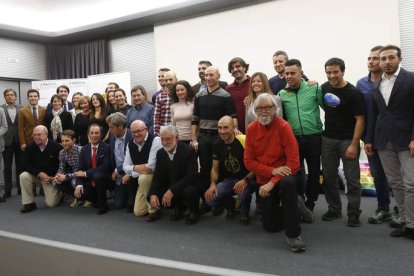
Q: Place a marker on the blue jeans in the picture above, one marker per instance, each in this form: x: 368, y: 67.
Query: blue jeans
x: 380, y: 181
x: 225, y: 190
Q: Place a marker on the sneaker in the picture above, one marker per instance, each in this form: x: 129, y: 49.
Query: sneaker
x: 88, y: 204
x: 296, y: 244
x: 75, y: 203
x: 331, y: 215
x: 305, y: 215
x: 396, y: 220
x: 353, y: 221
x: 379, y: 217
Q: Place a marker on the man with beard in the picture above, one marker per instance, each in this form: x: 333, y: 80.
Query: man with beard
x: 239, y: 89
x: 272, y: 153
x: 161, y: 81
x: 162, y: 112
x: 202, y: 66
x: 174, y: 182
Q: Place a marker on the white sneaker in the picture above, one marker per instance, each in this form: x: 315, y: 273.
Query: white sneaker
x: 296, y: 244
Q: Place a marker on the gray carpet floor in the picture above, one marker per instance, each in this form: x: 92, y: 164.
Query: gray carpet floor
x: 332, y: 247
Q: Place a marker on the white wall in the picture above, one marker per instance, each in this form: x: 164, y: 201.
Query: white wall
x: 310, y: 30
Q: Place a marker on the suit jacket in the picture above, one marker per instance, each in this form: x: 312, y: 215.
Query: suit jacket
x: 12, y: 131
x: 112, y: 138
x: 27, y: 123
x: 49, y: 107
x: 175, y: 174
x: 196, y: 87
x: 3, y: 129
x: 35, y: 161
x: 393, y: 123
x: 103, y: 162
x: 65, y: 118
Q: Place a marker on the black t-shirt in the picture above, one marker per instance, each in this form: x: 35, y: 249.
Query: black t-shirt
x: 340, y: 110
x: 230, y: 159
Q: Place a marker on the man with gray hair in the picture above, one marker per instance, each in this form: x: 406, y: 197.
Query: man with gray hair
x: 40, y: 164
x: 272, y: 153
x: 119, y: 137
x: 175, y: 175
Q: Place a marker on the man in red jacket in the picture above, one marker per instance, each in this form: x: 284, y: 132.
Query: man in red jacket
x: 272, y: 153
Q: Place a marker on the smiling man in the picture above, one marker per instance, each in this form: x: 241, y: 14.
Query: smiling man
x: 344, y: 124
x: 202, y: 85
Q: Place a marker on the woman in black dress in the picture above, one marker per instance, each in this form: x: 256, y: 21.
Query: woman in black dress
x: 82, y: 121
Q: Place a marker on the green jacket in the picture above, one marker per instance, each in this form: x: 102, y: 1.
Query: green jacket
x: 301, y: 109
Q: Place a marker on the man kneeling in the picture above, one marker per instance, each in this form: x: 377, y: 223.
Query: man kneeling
x: 174, y: 182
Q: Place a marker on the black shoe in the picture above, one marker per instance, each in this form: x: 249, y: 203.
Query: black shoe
x: 2, y: 199
x: 409, y: 232
x: 353, y: 221
x: 102, y: 210
x: 192, y: 218
x: 153, y: 216
x: 217, y: 211
x: 204, y: 208
x: 129, y: 209
x: 6, y: 195
x: 397, y: 233
x: 26, y: 208
x: 331, y: 215
x: 244, y: 219
x: 310, y: 204
x: 397, y: 224
x: 177, y: 215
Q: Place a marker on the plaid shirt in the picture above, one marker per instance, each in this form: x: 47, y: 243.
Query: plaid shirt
x: 162, y: 113
x: 69, y: 161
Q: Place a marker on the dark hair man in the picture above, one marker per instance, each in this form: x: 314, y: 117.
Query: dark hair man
x: 202, y: 66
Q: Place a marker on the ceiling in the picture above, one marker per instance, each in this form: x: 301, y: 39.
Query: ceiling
x: 63, y: 20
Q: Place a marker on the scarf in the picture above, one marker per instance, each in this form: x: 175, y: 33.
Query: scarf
x: 56, y: 124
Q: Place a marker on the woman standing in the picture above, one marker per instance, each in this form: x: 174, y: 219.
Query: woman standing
x: 111, y: 105
x: 259, y: 84
x: 121, y: 101
x: 58, y: 119
x: 82, y: 121
x: 141, y: 110
x: 182, y: 109
x: 98, y: 112
x: 76, y: 108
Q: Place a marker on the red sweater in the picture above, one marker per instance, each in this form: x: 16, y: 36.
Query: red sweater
x: 269, y: 147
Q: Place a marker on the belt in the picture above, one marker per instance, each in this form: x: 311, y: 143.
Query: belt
x: 209, y: 131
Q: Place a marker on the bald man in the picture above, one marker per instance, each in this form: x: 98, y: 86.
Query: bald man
x: 162, y: 113
x: 229, y: 176
x: 39, y: 165
x: 209, y: 106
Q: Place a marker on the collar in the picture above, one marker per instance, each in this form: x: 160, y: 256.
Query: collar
x: 395, y: 73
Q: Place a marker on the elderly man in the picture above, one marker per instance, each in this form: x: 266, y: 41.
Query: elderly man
x: 229, y: 175
x: 139, y: 163
x: 272, y: 153
x: 119, y: 137
x: 93, y: 177
x: 174, y: 182
x: 40, y: 164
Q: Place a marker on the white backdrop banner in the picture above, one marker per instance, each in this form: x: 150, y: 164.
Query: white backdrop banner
x: 47, y: 88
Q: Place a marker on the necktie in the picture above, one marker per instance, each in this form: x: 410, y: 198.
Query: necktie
x: 34, y: 113
x: 93, y: 163
x: 65, y: 106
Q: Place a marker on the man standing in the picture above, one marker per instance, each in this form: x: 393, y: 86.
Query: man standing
x: 40, y: 164
x: 29, y: 117
x: 202, y: 66
x: 119, y: 137
x: 301, y: 107
x: 93, y: 177
x: 391, y: 132
x: 239, y: 89
x: 209, y: 106
x: 139, y: 164
x: 174, y: 183
x: 344, y: 125
x: 380, y: 181
x: 162, y: 113
x: 11, y: 142
x: 229, y: 176
x: 161, y: 81
x: 272, y: 154
x: 63, y: 91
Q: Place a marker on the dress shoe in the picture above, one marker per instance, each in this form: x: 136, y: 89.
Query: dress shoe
x: 102, y: 210
x: 204, y: 208
x: 192, y: 218
x: 6, y: 195
x: 130, y: 209
x: 177, y: 215
x: 153, y: 216
x: 26, y: 208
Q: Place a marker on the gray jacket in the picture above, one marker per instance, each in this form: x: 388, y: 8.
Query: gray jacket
x: 3, y: 128
x: 12, y: 131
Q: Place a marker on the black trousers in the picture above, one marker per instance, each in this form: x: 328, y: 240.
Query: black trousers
x: 205, y: 155
x: 125, y: 193
x: 187, y: 197
x: 9, y: 151
x: 280, y: 208
x: 97, y: 194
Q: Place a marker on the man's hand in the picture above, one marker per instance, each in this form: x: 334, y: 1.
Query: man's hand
x: 114, y: 174
x: 264, y: 190
x: 351, y: 152
x: 78, y: 191
x: 80, y: 174
x: 125, y: 179
x: 22, y: 147
x: 237, y: 131
x: 44, y: 177
x: 60, y: 178
x: 282, y: 170
x: 368, y: 149
x: 240, y: 186
x: 411, y: 147
x: 194, y: 144
x: 210, y: 193
x: 167, y: 198
x: 154, y: 202
x: 312, y: 82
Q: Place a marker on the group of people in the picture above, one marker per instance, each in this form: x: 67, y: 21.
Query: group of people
x: 211, y: 146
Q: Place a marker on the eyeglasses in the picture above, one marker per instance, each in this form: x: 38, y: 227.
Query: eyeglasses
x: 260, y: 109
x: 139, y: 130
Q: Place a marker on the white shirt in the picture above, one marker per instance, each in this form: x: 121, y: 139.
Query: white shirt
x: 386, y: 85
x: 12, y: 112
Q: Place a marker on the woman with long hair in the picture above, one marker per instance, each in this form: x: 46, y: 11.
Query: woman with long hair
x: 182, y: 109
x: 82, y: 121
x: 76, y: 108
x: 98, y: 112
x: 57, y: 120
x: 111, y: 105
x: 121, y: 101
